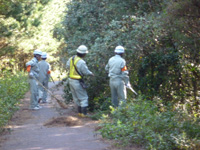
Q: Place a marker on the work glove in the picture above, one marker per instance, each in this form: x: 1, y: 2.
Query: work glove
x: 28, y: 68
x: 31, y: 74
x: 128, y: 85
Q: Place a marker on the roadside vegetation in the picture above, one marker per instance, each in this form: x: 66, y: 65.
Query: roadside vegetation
x: 162, y: 48
x: 151, y: 125
x: 25, y: 25
x: 12, y: 89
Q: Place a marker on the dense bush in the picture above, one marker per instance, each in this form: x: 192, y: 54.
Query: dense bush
x: 161, y: 39
x: 12, y: 88
x: 152, y: 126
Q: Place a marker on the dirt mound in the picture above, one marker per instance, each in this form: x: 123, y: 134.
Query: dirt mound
x: 63, y: 121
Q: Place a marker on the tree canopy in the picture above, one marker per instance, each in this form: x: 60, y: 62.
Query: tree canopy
x: 27, y: 25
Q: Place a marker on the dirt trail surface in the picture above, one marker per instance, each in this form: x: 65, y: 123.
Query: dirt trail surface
x: 50, y: 128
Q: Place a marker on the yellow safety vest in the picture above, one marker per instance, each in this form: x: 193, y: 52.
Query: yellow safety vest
x: 73, y: 74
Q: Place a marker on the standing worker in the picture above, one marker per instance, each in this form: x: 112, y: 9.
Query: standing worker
x: 118, y: 74
x: 78, y: 69
x: 33, y: 69
x: 44, y: 76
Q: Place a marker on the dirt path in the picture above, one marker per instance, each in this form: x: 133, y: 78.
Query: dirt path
x: 50, y: 128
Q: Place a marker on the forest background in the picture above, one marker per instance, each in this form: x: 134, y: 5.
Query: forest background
x: 162, y: 48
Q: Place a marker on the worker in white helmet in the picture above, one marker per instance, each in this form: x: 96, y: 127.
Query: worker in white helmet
x: 33, y: 70
x: 44, y: 75
x: 78, y: 69
x: 119, y: 79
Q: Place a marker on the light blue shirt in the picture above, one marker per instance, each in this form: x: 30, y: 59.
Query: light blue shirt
x: 44, y: 68
x: 114, y: 68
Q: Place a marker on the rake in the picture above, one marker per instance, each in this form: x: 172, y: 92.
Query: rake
x: 60, y: 102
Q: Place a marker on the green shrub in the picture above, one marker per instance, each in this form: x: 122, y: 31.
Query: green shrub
x: 145, y: 123
x: 67, y: 92
x: 12, y: 88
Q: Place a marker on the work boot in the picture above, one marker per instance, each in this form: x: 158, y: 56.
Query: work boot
x: 84, y: 110
x: 39, y: 100
x: 79, y: 111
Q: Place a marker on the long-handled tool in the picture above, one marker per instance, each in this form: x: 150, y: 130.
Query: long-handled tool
x: 54, y: 82
x: 52, y: 79
x: 60, y: 102
x: 130, y: 88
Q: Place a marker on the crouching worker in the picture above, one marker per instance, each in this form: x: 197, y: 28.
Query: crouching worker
x: 33, y: 70
x: 77, y: 69
x: 44, y: 76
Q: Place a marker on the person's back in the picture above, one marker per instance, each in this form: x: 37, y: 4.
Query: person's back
x: 115, y: 64
x: 44, y: 76
x: 44, y: 68
x: 118, y: 73
x: 34, y: 71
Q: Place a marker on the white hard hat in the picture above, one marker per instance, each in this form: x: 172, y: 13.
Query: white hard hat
x: 82, y: 49
x: 44, y: 55
x: 119, y: 49
x: 37, y: 52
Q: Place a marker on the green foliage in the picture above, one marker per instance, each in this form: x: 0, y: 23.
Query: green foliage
x: 151, y: 125
x: 67, y: 92
x: 100, y: 106
x: 12, y: 88
x: 161, y: 39
x: 26, y: 25
x: 156, y: 72
x: 98, y: 92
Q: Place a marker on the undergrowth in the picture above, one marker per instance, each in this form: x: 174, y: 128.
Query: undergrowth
x: 153, y: 126
x: 12, y: 88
